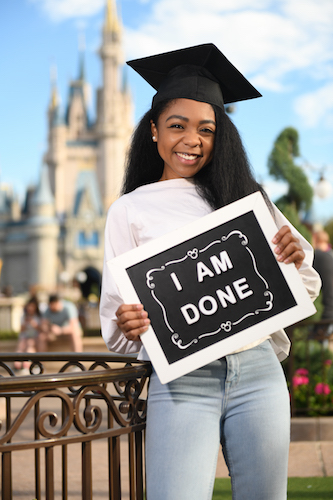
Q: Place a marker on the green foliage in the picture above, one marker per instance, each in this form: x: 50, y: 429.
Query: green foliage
x: 309, y: 352
x: 8, y: 335
x: 290, y: 212
x: 299, y: 488
x: 92, y: 332
x: 311, y: 488
x: 222, y: 489
x: 312, y: 378
x: 318, y: 303
x: 281, y: 166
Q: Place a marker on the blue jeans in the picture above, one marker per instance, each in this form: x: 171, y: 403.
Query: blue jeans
x: 240, y: 401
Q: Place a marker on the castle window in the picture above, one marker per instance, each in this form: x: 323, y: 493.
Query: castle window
x: 87, y: 239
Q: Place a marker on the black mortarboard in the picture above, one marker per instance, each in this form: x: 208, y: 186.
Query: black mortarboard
x: 201, y: 73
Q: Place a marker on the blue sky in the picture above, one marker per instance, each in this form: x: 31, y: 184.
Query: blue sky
x: 284, y: 47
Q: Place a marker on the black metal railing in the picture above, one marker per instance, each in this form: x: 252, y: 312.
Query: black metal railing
x: 77, y: 433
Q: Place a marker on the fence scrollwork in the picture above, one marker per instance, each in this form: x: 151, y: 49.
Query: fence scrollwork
x: 91, y: 397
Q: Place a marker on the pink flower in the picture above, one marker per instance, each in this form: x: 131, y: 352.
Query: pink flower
x: 302, y: 372
x: 322, y: 388
x: 300, y: 380
x: 328, y: 362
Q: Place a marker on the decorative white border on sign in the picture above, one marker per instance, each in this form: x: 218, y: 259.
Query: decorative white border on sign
x: 194, y: 254
x: 304, y: 307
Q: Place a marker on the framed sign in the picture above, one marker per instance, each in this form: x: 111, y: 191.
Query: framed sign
x: 211, y: 287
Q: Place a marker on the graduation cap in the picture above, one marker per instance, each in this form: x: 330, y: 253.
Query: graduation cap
x: 201, y: 73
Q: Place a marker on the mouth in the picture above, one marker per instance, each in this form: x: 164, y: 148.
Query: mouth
x: 188, y: 156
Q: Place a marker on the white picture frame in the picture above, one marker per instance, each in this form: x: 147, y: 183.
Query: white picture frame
x: 281, y: 295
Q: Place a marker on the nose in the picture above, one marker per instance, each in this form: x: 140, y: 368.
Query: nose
x: 192, y: 138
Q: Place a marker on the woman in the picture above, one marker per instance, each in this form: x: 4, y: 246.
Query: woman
x: 186, y: 160
x: 28, y: 338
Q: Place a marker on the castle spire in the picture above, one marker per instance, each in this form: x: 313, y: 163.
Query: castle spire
x: 111, y: 22
x: 82, y: 47
x: 54, y: 101
x: 114, y: 121
x: 54, y: 112
x: 43, y: 194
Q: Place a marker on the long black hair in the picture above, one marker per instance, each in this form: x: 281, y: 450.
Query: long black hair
x: 227, y: 178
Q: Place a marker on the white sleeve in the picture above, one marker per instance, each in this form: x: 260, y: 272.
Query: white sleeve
x: 119, y: 238
x: 309, y: 275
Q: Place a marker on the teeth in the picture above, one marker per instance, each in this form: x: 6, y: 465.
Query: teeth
x: 187, y: 156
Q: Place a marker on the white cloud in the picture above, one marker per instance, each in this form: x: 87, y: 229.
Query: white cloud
x: 310, y: 12
x: 268, y: 40
x: 316, y: 107
x: 60, y: 10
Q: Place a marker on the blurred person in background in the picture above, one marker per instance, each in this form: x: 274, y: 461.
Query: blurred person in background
x: 60, y: 318
x: 28, y: 338
x: 323, y: 264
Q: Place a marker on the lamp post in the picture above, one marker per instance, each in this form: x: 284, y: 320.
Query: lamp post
x: 323, y: 188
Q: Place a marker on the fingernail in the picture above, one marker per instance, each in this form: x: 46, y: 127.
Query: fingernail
x: 147, y: 321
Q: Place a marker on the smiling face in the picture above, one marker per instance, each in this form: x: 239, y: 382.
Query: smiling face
x: 185, y: 134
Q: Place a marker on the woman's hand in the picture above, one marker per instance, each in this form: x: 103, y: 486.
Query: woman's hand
x: 288, y: 248
x: 132, y: 320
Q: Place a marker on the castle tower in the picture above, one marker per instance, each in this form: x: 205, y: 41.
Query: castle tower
x: 72, y: 143
x: 55, y: 156
x: 114, y: 112
x: 61, y: 227
x: 43, y: 230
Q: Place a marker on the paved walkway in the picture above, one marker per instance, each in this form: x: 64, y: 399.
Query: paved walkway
x: 307, y: 459
x: 311, y: 448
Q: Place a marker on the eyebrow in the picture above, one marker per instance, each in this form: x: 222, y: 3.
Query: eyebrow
x: 180, y: 117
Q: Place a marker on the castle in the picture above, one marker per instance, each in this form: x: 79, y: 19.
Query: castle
x: 58, y: 235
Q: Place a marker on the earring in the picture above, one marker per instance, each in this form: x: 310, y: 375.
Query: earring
x: 154, y: 138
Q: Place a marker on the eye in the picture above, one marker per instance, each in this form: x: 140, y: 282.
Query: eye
x: 176, y: 125
x: 207, y: 130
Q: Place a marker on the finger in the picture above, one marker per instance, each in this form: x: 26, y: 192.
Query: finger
x: 287, y: 247
x: 135, y: 334
x: 133, y: 322
x: 292, y: 253
x: 296, y: 257
x: 129, y: 318
x: 135, y: 329
x: 128, y: 307
x: 298, y: 260
x: 280, y: 234
x: 287, y: 242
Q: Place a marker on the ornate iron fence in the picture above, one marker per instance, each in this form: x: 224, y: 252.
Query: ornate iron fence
x: 94, y: 399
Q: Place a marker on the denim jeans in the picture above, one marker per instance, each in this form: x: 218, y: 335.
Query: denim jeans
x: 240, y: 401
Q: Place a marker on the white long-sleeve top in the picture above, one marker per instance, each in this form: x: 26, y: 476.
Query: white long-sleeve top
x: 152, y: 211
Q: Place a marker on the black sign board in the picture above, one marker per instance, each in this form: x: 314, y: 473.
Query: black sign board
x: 215, y: 289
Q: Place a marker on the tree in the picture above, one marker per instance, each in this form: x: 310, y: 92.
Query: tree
x: 281, y: 166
